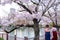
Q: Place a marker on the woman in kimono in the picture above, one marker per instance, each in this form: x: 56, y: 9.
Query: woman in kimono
x: 47, y: 33
x: 54, y: 33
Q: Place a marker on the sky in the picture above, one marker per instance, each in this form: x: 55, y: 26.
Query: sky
x: 2, y: 14
x: 5, y: 9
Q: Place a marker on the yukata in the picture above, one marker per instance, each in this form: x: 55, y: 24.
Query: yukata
x: 54, y: 33
x: 47, y: 34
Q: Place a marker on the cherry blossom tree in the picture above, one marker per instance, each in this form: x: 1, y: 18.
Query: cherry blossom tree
x: 33, y: 10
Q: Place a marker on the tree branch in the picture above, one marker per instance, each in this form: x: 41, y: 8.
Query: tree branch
x: 47, y: 8
x: 56, y: 4
x: 36, y: 9
x: 49, y: 14
x: 20, y: 4
x: 34, y: 3
x: 43, y: 4
x: 10, y: 30
x: 49, y: 17
x: 17, y: 28
x: 39, y: 0
x: 49, y: 2
x: 13, y: 28
x: 39, y: 20
x: 21, y: 10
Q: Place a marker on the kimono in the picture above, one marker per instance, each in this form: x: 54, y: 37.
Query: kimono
x: 47, y: 34
x: 54, y: 33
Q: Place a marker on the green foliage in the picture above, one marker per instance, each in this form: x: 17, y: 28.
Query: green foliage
x: 40, y: 25
x: 22, y: 28
x: 50, y: 24
x: 1, y: 39
x: 58, y: 24
x: 11, y: 26
x: 0, y: 26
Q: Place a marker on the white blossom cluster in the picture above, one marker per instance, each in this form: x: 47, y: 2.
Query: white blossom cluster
x: 9, y: 12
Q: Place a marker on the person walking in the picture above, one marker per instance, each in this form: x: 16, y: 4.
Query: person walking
x: 54, y: 33
x: 47, y: 32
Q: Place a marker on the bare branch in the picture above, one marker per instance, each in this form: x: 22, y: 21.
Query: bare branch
x: 48, y: 7
x: 39, y: 20
x: 21, y: 4
x: 49, y: 17
x: 56, y: 4
x: 10, y: 30
x: 39, y: 0
x: 13, y: 29
x: 36, y: 9
x: 34, y: 2
x: 21, y: 10
x: 17, y: 28
x: 49, y: 2
x: 49, y: 14
x: 43, y: 4
x: 37, y: 4
x: 25, y: 8
x: 14, y: 0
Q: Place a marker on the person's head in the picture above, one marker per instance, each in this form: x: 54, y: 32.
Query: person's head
x: 53, y: 25
x: 47, y: 26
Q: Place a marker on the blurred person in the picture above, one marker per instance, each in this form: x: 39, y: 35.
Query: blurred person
x: 47, y: 32
x: 25, y: 38
x: 54, y: 33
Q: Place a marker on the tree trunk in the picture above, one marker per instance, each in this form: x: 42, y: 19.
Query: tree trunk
x: 6, y: 36
x: 36, y: 29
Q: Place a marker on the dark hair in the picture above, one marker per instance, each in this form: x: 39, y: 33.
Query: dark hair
x: 53, y: 25
x: 47, y: 25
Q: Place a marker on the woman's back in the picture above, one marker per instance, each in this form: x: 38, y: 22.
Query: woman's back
x: 47, y: 33
x: 54, y: 33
